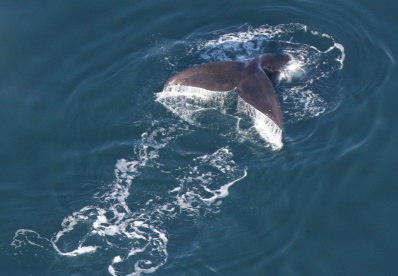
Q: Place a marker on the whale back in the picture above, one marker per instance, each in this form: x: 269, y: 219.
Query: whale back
x: 272, y: 63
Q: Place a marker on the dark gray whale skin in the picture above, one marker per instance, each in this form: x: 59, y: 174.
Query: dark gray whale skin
x: 251, y: 78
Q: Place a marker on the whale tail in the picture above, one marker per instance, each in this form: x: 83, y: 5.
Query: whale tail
x: 252, y: 80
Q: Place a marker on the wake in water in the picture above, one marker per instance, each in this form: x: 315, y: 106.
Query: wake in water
x: 129, y: 232
x: 127, y: 226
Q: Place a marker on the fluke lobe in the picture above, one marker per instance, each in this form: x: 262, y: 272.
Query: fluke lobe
x: 251, y: 78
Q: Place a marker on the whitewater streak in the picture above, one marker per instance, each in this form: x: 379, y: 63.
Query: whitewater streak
x: 133, y: 240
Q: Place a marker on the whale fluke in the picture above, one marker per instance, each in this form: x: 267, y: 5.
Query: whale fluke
x: 256, y: 89
x: 252, y: 80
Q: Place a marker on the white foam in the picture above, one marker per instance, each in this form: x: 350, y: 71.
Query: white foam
x: 335, y: 45
x: 78, y: 251
x: 255, y: 33
x: 208, y: 180
x: 247, y: 43
x: 222, y: 192
x: 294, y: 69
x: 23, y: 236
x: 117, y: 259
x: 112, y: 271
x: 342, y: 58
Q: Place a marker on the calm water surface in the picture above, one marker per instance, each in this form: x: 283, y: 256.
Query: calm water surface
x: 98, y: 177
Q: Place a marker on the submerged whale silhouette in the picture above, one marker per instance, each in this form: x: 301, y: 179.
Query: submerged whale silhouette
x: 251, y: 79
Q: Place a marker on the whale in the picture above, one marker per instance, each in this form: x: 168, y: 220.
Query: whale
x: 252, y: 80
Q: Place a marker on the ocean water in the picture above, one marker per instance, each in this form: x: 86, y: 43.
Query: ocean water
x: 104, y: 173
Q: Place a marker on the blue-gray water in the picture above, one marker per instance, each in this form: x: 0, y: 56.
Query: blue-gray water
x: 98, y: 178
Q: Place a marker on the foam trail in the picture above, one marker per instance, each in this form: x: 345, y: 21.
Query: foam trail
x: 206, y: 181
x: 126, y: 229
x: 222, y: 192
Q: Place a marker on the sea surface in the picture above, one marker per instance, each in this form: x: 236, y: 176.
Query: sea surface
x: 105, y: 172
